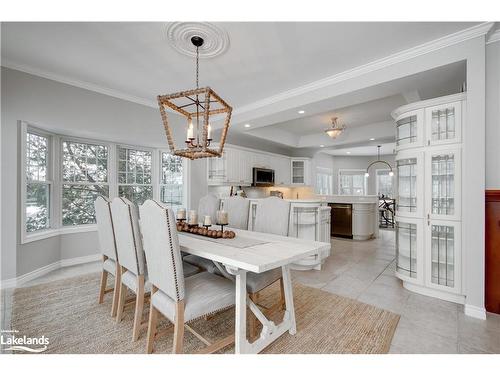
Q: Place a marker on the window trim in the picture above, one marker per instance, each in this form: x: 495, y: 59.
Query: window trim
x: 365, y: 180
x: 154, y: 170
x: 61, y: 182
x: 54, y: 169
x: 43, y: 233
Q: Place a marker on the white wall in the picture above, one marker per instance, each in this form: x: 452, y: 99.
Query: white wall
x: 493, y: 115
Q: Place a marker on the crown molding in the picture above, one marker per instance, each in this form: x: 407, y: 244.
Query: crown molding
x: 446, y: 41
x: 78, y: 83
x: 443, y: 42
x: 494, y: 37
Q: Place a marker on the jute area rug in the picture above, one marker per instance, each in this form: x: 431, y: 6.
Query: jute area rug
x: 68, y: 314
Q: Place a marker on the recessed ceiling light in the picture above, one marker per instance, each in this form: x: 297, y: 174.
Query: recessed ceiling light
x: 247, y: 125
x: 348, y: 152
x: 372, y: 139
x: 321, y: 145
x: 301, y: 112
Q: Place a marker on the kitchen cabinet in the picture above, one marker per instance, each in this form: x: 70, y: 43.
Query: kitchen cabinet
x: 300, y: 171
x: 236, y: 165
x: 428, y: 203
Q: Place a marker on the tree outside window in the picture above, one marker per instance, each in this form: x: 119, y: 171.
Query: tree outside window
x: 38, y: 184
x: 84, y: 177
x: 135, y: 175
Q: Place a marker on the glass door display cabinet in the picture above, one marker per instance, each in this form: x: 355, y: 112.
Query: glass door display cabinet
x: 428, y: 199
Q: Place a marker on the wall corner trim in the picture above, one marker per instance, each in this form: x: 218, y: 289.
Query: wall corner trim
x: 20, y: 280
x: 475, y: 312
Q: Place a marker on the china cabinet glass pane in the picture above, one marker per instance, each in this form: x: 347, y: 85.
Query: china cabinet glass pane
x: 406, y: 130
x: 443, y: 182
x: 443, y: 255
x: 443, y: 124
x: 407, y: 185
x: 406, y: 249
x: 298, y: 172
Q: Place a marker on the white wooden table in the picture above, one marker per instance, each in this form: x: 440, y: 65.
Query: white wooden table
x: 277, y: 251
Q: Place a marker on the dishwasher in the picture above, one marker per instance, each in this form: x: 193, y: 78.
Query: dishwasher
x: 341, y: 221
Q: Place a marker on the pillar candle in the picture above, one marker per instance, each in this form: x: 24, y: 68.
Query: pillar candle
x: 193, y: 217
x: 222, y: 217
x: 207, y: 220
x: 181, y: 213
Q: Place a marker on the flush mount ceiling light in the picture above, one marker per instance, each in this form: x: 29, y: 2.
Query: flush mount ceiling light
x: 301, y: 112
x: 336, y: 128
x: 197, y: 106
x: 247, y: 125
x: 367, y: 173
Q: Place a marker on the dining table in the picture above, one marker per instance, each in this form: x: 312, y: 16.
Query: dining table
x: 257, y: 252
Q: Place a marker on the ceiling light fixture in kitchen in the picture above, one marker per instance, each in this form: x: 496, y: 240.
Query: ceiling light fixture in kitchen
x: 336, y: 128
x: 199, y: 131
x: 367, y: 173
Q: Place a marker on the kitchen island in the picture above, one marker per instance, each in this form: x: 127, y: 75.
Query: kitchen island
x: 361, y: 211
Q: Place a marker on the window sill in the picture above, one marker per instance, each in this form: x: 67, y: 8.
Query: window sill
x: 27, y: 238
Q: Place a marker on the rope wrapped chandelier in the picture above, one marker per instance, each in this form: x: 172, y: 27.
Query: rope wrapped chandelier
x: 198, y: 106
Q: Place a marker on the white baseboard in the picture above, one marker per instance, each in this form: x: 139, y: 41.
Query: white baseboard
x: 20, y: 280
x: 475, y: 312
x: 80, y: 260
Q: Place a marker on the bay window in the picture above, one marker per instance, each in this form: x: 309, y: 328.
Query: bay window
x: 135, y: 180
x: 84, y: 177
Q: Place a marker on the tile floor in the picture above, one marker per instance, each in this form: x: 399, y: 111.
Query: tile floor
x: 364, y: 270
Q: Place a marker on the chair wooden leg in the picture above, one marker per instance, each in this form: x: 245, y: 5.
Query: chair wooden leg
x: 102, y: 288
x: 116, y: 291
x: 139, y: 305
x: 252, y: 320
x: 121, y: 302
x: 282, y: 291
x: 153, y: 317
x: 179, y: 328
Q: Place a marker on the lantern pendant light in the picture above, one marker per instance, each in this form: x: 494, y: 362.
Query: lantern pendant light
x: 197, y: 106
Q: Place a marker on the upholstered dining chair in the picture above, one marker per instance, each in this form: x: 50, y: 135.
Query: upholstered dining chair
x: 110, y: 264
x: 132, y: 261
x: 208, y: 206
x: 272, y: 216
x: 237, y: 211
x: 179, y: 299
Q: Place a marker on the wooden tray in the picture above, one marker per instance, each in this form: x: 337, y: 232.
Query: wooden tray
x: 202, y: 231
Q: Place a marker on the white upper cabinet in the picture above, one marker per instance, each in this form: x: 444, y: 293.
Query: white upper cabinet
x: 444, y: 123
x: 236, y: 165
x: 300, y: 171
x: 410, y: 178
x: 443, y: 187
x: 410, y: 129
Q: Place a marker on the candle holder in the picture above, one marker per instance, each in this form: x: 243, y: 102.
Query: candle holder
x: 222, y: 226
x: 192, y: 225
x: 207, y: 226
x: 181, y: 220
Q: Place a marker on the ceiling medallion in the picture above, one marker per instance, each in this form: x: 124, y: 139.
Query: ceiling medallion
x: 216, y: 39
x: 336, y: 128
x: 196, y: 105
x: 367, y: 173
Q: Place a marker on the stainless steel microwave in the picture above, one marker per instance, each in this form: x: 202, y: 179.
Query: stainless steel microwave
x: 263, y: 177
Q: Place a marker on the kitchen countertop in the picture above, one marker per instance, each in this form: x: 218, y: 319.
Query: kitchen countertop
x: 361, y: 199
